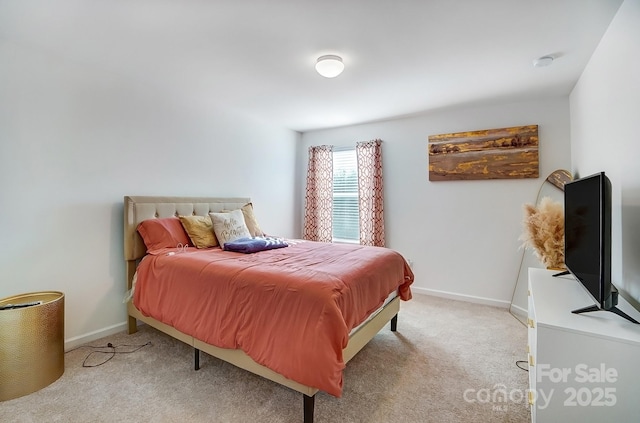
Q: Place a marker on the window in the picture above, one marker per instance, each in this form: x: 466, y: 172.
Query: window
x: 345, y: 197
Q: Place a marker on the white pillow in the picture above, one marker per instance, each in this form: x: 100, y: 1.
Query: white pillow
x: 229, y: 226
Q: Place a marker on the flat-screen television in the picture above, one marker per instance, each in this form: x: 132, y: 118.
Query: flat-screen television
x: 587, y: 240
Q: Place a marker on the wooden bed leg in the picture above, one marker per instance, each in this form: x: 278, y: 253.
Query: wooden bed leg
x: 196, y: 359
x: 133, y: 325
x: 394, y: 323
x: 309, y: 403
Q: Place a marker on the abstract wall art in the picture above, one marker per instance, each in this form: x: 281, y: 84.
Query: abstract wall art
x: 504, y: 153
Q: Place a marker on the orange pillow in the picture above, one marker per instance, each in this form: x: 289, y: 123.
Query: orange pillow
x: 163, y: 233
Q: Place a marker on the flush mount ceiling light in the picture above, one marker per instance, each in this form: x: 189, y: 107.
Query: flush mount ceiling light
x: 329, y: 65
x: 543, y: 61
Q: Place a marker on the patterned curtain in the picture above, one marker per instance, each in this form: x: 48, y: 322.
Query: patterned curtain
x: 369, y: 155
x: 319, y: 196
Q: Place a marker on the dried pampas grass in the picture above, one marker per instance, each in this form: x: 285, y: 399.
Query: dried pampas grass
x: 544, y: 232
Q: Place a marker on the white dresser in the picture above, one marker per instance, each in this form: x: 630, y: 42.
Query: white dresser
x: 582, y: 367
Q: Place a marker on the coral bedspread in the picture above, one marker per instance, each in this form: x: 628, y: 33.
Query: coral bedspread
x: 289, y: 309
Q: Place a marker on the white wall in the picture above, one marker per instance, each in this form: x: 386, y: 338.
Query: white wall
x: 462, y: 236
x: 605, y: 108
x: 74, y: 140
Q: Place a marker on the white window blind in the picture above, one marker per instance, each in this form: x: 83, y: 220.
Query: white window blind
x: 345, y: 196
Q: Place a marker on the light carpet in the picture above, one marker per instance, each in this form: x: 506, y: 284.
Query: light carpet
x: 449, y: 361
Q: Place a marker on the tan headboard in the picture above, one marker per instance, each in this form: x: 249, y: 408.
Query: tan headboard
x: 139, y: 208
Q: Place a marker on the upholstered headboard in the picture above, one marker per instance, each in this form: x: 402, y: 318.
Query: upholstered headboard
x: 139, y: 208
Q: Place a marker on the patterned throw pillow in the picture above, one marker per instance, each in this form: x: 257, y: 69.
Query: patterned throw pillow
x: 229, y: 226
x: 250, y: 220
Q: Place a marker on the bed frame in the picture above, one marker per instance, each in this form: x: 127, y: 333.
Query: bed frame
x: 139, y: 208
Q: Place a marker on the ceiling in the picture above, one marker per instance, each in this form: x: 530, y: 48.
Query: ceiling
x: 257, y: 57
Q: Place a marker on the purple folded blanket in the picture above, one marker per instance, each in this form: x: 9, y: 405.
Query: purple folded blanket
x: 253, y: 245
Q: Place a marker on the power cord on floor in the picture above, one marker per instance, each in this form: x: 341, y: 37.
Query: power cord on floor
x: 111, y: 352
x: 526, y: 369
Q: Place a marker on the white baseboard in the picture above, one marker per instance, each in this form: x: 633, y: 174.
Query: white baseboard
x: 519, y: 311
x: 461, y: 297
x: 92, y: 336
x: 110, y: 330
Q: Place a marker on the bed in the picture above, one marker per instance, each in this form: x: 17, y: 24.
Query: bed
x: 341, y: 295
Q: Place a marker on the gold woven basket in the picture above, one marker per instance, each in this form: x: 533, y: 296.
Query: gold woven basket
x: 31, y: 343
